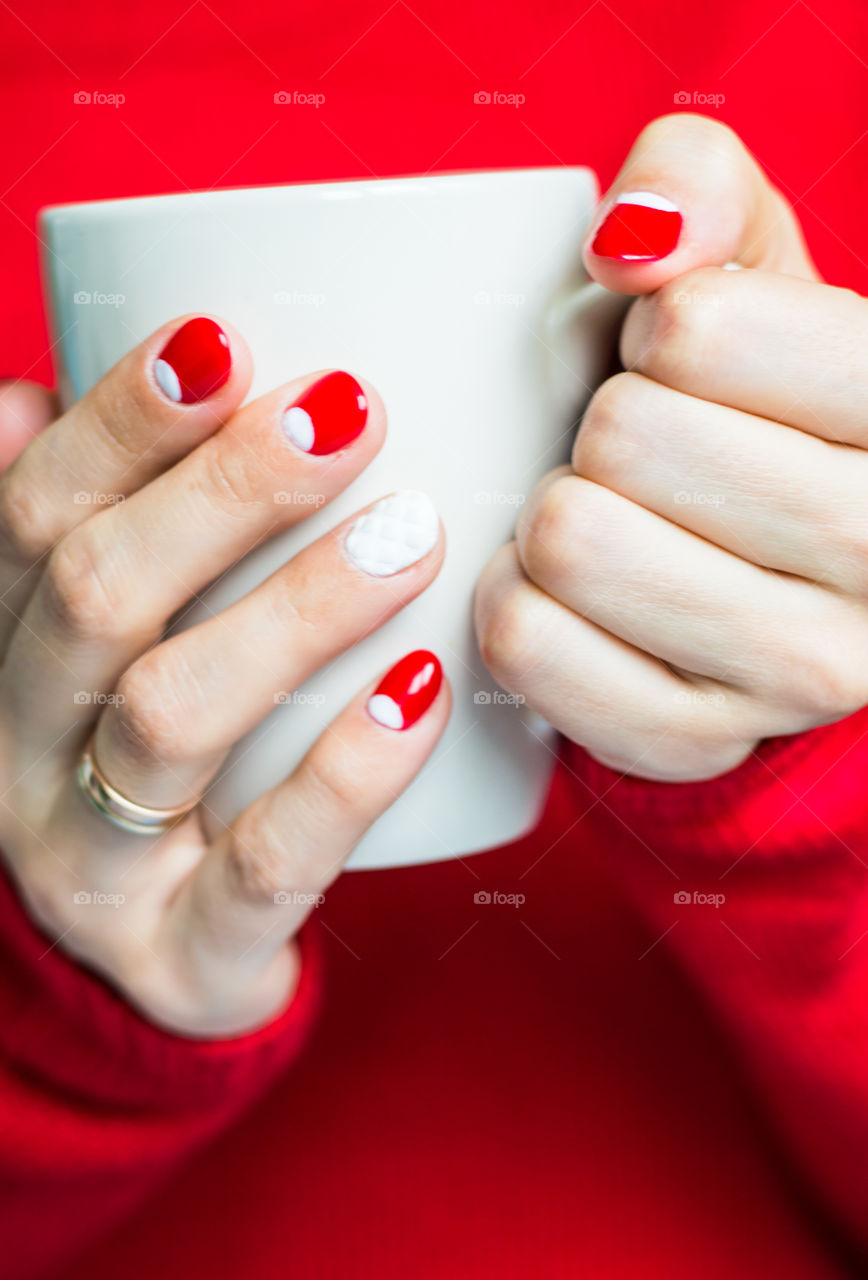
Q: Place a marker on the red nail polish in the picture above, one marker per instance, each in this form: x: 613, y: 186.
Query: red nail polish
x: 194, y: 362
x: 328, y: 416
x: 406, y: 692
x: 641, y: 227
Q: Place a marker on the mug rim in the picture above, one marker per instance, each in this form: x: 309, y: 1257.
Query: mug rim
x: 335, y: 188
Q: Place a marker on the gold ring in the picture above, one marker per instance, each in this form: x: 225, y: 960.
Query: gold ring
x: 120, y: 811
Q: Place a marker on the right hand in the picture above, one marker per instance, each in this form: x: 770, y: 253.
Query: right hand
x: 198, y: 941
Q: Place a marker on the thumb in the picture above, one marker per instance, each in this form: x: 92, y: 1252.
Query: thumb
x: 26, y: 408
x: 690, y: 194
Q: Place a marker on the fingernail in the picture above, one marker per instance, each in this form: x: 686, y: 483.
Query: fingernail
x: 328, y: 416
x: 194, y: 362
x: 640, y: 227
x: 406, y: 692
x: 395, y: 533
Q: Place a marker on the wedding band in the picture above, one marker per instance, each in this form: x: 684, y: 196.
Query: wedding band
x: 120, y: 811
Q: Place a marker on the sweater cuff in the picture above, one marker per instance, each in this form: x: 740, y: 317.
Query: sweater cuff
x: 797, y: 793
x: 62, y: 1024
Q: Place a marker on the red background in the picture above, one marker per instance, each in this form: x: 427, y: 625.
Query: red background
x: 675, y: 1175
x: 399, y: 82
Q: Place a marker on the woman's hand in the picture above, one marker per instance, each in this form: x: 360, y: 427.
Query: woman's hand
x: 111, y: 519
x: 697, y: 579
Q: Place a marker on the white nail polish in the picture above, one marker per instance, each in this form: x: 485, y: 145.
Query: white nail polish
x: 395, y: 533
x: 385, y: 711
x: 648, y: 199
x: 167, y: 380
x: 298, y: 425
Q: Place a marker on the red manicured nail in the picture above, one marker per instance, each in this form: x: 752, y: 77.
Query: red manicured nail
x: 328, y: 416
x: 406, y: 692
x: 641, y: 227
x: 194, y: 362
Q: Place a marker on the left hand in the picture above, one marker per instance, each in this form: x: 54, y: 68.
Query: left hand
x: 696, y: 579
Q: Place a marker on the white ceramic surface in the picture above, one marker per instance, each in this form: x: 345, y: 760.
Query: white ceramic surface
x: 463, y: 299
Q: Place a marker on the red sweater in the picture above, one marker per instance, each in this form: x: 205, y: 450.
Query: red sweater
x: 604, y: 1081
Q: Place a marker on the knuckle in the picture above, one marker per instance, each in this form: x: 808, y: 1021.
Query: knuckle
x: 335, y: 784
x: 27, y: 529
x: 261, y: 862
x: 606, y: 438
x: 822, y: 675
x: 681, y: 328
x: 116, y: 410
x: 74, y: 593
x: 547, y: 530
x: 233, y: 476
x: 255, y: 866
x: 847, y: 560
x: 510, y: 636
x: 148, y: 721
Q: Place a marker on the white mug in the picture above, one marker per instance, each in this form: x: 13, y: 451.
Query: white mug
x: 462, y: 298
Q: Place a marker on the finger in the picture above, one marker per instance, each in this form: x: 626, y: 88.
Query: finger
x: 690, y: 194
x: 111, y: 585
x: 26, y: 408
x: 183, y: 705
x: 786, y: 349
x: 261, y: 878
x: 126, y: 430
x: 777, y: 497
x: 671, y: 593
x: 620, y: 703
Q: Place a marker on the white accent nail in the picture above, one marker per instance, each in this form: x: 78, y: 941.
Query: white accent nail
x: 649, y: 199
x: 168, y: 380
x: 733, y: 266
x: 298, y: 425
x: 385, y: 710
x: 395, y: 533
